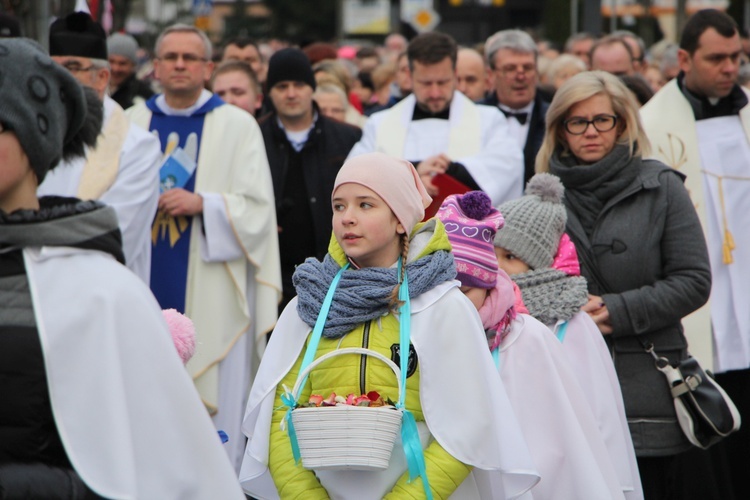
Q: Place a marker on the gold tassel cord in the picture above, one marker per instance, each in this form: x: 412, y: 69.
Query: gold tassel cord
x: 727, y: 244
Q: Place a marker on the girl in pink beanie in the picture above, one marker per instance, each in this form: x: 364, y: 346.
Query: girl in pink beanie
x: 387, y: 286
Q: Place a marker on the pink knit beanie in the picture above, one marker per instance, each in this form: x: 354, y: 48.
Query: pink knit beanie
x: 394, y: 180
x: 471, y: 223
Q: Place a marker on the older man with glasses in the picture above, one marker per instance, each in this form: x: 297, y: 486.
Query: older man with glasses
x: 215, y: 242
x: 121, y: 170
x: 512, y: 57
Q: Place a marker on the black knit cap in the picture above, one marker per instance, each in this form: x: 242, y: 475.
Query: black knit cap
x: 289, y: 65
x: 77, y: 35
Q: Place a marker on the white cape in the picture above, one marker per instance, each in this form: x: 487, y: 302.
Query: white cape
x: 478, y: 429
x: 592, y: 364
x: 126, y: 410
x: 556, y: 419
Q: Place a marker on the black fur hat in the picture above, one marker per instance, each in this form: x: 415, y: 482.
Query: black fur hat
x: 77, y: 35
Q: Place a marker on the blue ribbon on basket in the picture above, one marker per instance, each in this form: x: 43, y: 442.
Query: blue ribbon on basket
x: 290, y: 403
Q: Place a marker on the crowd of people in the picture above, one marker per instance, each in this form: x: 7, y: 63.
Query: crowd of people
x: 509, y: 224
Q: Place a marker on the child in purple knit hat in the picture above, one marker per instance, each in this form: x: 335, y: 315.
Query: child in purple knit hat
x: 471, y: 223
x: 556, y: 419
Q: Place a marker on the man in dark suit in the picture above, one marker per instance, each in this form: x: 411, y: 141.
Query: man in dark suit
x: 512, y: 57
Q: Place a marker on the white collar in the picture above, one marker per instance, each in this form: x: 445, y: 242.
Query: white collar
x: 161, y: 103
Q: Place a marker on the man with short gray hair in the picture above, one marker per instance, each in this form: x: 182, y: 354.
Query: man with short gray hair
x: 122, y: 170
x: 215, y: 253
x: 512, y: 58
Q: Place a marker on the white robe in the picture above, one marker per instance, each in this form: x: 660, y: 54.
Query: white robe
x: 462, y: 398
x: 134, y: 193
x: 233, y: 276
x: 556, y: 419
x: 474, y: 135
x: 124, y: 406
x: 592, y: 364
x: 671, y: 127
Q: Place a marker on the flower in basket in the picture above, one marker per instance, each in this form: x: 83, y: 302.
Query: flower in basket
x: 372, y: 399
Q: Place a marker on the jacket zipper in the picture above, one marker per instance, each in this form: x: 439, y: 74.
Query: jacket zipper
x: 363, y: 363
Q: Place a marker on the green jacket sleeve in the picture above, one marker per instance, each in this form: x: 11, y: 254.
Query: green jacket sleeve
x: 444, y: 472
x: 292, y: 481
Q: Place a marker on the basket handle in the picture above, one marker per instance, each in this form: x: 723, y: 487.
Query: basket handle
x: 347, y: 350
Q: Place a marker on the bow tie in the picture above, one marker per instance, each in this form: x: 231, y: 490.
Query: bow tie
x: 521, y: 117
x: 421, y: 114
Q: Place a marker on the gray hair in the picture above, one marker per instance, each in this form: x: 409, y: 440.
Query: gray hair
x: 99, y: 63
x: 563, y: 62
x: 515, y: 40
x: 185, y: 28
x: 743, y: 77
x: 577, y: 38
x: 638, y: 40
x: 669, y: 58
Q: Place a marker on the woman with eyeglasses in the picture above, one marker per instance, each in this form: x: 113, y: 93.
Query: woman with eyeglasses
x: 641, y: 249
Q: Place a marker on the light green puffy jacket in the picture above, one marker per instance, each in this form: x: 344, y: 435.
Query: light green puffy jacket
x: 355, y: 374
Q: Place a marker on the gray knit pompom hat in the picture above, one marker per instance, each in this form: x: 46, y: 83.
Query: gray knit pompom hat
x: 535, y: 222
x: 44, y: 106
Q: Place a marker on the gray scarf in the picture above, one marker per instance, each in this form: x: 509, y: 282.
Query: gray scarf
x: 67, y: 222
x: 362, y: 294
x: 551, y: 295
x: 588, y: 188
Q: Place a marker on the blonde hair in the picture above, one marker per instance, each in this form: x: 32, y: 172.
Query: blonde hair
x: 579, y: 88
x: 563, y: 62
x: 394, y: 302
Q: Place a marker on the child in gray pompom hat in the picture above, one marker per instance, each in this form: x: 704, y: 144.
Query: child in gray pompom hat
x: 526, y: 248
x: 534, y: 250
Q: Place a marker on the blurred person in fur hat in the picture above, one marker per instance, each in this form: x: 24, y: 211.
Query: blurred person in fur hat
x: 82, y: 340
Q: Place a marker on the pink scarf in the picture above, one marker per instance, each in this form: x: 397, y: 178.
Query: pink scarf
x: 499, y: 309
x: 566, y: 259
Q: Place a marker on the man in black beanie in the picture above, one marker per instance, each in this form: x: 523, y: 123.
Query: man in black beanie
x: 122, y: 169
x: 305, y: 152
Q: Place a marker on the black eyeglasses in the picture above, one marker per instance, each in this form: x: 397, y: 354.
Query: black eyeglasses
x: 172, y: 58
x: 578, y: 125
x: 77, y: 68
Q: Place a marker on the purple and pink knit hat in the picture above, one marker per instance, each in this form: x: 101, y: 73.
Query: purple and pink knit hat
x: 471, y: 223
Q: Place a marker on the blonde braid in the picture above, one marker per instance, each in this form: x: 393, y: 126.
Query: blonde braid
x: 394, y: 303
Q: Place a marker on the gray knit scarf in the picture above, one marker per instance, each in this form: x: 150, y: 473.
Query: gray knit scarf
x: 362, y: 294
x: 551, y: 295
x: 588, y: 188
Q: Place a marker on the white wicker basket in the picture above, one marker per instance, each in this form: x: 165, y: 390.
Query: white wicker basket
x: 346, y: 437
